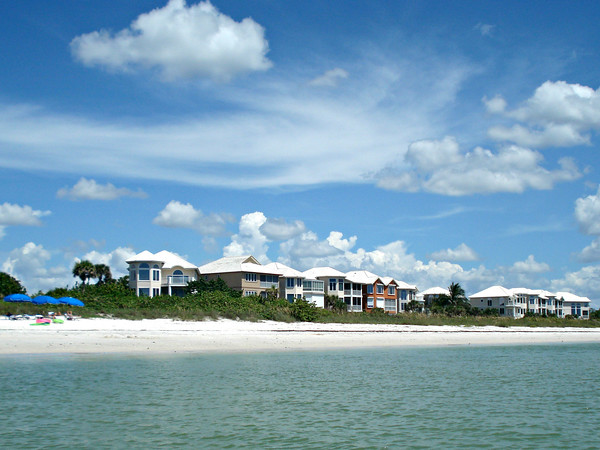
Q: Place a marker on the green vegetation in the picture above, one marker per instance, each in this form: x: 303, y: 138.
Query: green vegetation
x: 10, y: 285
x: 214, y: 299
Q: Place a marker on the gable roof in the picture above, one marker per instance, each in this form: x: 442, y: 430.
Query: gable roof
x: 403, y: 285
x: 141, y: 257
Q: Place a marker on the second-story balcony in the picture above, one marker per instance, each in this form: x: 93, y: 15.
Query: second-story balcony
x: 313, y: 286
x: 353, y: 292
x: 177, y: 280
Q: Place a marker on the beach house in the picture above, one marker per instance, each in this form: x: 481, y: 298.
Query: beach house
x: 501, y: 299
x: 375, y: 292
x: 243, y: 273
x: 573, y: 305
x: 406, y: 293
x: 163, y: 273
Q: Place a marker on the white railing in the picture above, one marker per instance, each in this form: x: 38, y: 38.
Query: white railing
x: 268, y: 284
x: 179, y: 280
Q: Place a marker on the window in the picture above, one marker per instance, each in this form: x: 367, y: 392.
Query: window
x: 370, y: 302
x: 144, y: 272
x: 380, y: 302
x: 489, y: 302
x: 340, y: 284
x: 249, y: 293
x: 391, y: 290
x: 155, y: 292
x: 269, y: 280
x: 403, y: 295
x: 369, y: 288
x: 290, y: 282
x: 251, y: 277
x: 380, y: 288
x: 290, y: 298
x: 155, y: 273
x: 390, y: 304
x: 144, y: 292
x: 501, y: 311
x: 333, y: 284
x: 298, y: 282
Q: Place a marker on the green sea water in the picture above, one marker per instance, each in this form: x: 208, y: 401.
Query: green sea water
x: 541, y: 396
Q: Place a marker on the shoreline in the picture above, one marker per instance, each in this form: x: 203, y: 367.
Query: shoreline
x: 166, y: 336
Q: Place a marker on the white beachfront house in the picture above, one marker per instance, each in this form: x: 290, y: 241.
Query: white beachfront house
x: 538, y: 301
x: 502, y: 299
x: 163, y: 273
x: 429, y: 295
x: 406, y: 293
x: 573, y: 305
x: 333, y: 279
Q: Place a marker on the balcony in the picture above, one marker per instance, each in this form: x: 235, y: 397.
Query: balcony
x: 268, y: 284
x: 177, y: 280
x: 313, y: 286
x: 354, y: 308
x: 353, y: 292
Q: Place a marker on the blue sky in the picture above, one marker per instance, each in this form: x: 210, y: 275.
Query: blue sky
x: 429, y: 141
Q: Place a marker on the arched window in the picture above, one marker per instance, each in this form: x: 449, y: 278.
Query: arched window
x: 144, y: 272
x: 177, y: 272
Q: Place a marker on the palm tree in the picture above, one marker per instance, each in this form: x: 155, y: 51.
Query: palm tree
x: 102, y: 272
x: 457, y: 295
x: 84, y: 270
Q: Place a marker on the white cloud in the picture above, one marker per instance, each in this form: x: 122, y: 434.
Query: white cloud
x: 553, y: 135
x: 485, y: 29
x: 249, y: 240
x: 280, y: 230
x: 114, y: 259
x: 584, y: 282
x: 461, y: 253
x: 86, y: 189
x: 530, y: 265
x: 591, y: 253
x: 495, y: 105
x: 181, y: 41
x: 587, y: 213
x: 28, y: 264
x: 331, y: 78
x: 559, y: 113
x: 280, y: 131
x: 17, y: 215
x: 439, y: 167
x: 180, y: 215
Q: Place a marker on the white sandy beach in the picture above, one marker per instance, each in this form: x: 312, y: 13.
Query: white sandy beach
x: 230, y: 336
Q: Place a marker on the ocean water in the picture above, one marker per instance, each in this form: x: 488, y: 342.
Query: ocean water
x: 541, y: 396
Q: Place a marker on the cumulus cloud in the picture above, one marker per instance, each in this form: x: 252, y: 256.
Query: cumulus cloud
x: 440, y: 167
x: 530, y: 265
x: 249, y: 240
x: 584, y: 282
x: 558, y: 114
x: 590, y: 253
x: 114, y: 259
x: 181, y: 41
x: 461, y: 253
x: 86, y: 189
x: 587, y: 213
x: 184, y: 215
x: 17, y: 215
x: 331, y: 78
x: 28, y: 264
x: 495, y: 105
x: 280, y: 230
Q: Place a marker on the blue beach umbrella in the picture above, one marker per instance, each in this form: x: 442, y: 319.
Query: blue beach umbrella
x: 17, y: 298
x: 43, y: 299
x: 71, y: 301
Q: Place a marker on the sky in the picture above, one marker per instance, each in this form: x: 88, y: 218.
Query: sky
x: 430, y: 141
